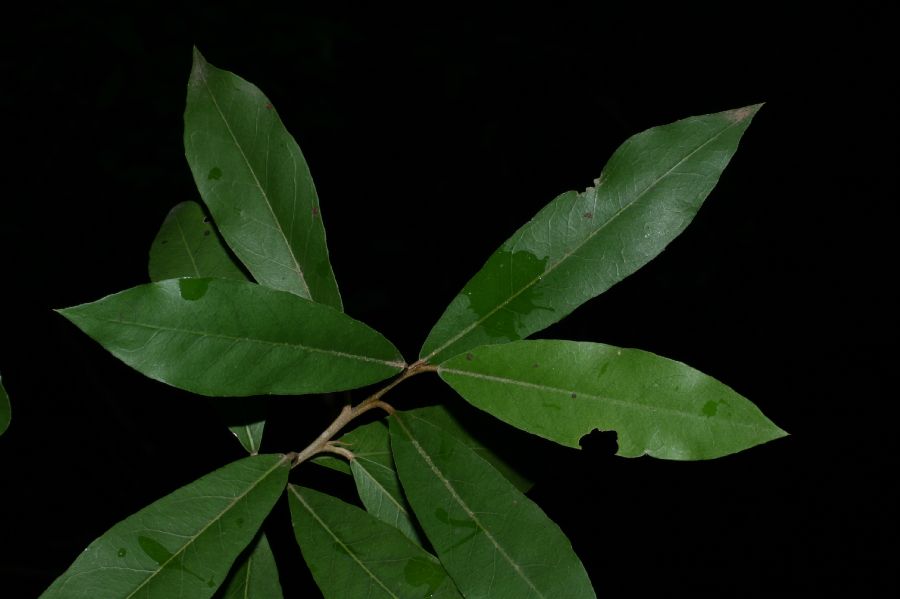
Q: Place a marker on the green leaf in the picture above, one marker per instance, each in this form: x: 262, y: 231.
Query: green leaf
x: 245, y: 418
x: 352, y: 554
x: 233, y: 338
x: 182, y: 545
x: 492, y: 539
x: 256, y: 575
x: 581, y: 244
x: 562, y: 390
x: 187, y: 246
x: 444, y: 419
x: 5, y: 411
x: 376, y: 478
x: 255, y: 182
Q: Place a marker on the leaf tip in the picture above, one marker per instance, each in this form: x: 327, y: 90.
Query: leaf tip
x: 198, y: 68
x: 741, y: 114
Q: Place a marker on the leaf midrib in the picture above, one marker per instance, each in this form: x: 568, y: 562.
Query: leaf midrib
x: 193, y: 538
x: 628, y: 404
x: 577, y: 247
x: 392, y: 364
x: 459, y: 500
x: 340, y: 541
x: 297, y: 269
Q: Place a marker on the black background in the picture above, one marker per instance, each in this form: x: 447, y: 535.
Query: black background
x: 432, y: 137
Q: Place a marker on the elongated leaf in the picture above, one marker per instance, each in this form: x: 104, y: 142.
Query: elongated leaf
x: 256, y: 577
x: 562, y: 390
x: 256, y: 184
x: 224, y: 337
x: 581, y: 244
x: 494, y: 541
x: 352, y: 554
x: 181, y: 546
x: 5, y: 411
x: 376, y: 478
x: 187, y: 246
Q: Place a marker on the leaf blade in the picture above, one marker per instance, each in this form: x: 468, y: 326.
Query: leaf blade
x: 562, y: 390
x: 483, y: 529
x: 253, y: 177
x: 5, y: 409
x: 256, y: 576
x: 187, y: 245
x: 444, y: 419
x: 375, y: 475
x: 352, y: 554
x: 183, y: 544
x: 201, y: 334
x: 581, y: 244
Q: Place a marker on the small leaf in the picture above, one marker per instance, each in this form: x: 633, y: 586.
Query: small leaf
x: 255, y: 576
x: 352, y: 554
x: 233, y: 338
x: 182, y: 545
x: 245, y: 418
x: 5, y: 411
x: 376, y: 479
x: 445, y: 420
x: 492, y: 540
x: 562, y: 390
x: 187, y: 246
x: 581, y: 244
x: 255, y: 182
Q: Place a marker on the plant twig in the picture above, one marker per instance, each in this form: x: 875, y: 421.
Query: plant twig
x: 323, y: 442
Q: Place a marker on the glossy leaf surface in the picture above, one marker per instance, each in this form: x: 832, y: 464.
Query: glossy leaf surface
x: 5, y: 411
x: 183, y: 545
x: 187, y: 246
x: 224, y: 337
x: 256, y: 576
x: 255, y: 182
x: 581, y: 244
x: 562, y: 390
x: 353, y: 554
x: 492, y: 539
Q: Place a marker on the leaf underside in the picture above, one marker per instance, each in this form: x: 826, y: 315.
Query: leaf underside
x: 182, y: 545
x: 492, y: 539
x: 562, y: 390
x: 581, y: 244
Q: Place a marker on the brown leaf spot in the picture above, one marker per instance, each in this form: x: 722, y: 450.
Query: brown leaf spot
x: 469, y: 357
x: 269, y: 106
x: 206, y: 233
x: 535, y: 365
x: 739, y: 114
x: 574, y: 395
x: 588, y: 215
